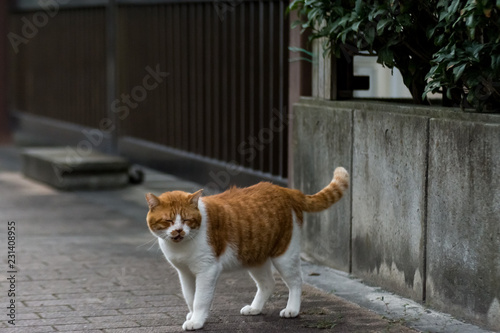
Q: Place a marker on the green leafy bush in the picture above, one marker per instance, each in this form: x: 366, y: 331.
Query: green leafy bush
x: 439, y: 46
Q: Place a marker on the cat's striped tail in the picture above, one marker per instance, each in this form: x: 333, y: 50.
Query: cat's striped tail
x: 330, y: 194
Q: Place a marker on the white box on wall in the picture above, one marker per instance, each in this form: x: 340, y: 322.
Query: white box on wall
x: 384, y: 82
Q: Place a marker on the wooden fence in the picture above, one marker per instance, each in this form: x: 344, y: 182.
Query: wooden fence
x: 206, y: 78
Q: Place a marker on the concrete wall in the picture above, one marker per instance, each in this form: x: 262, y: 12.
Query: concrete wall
x: 317, y: 156
x: 463, y: 223
x: 389, y: 164
x: 423, y: 215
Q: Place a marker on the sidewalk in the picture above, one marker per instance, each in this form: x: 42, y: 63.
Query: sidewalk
x: 85, y: 262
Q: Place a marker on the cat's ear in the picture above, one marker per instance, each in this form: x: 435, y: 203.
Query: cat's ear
x: 195, y: 197
x: 152, y: 200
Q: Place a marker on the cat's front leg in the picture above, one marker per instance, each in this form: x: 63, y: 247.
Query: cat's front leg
x: 203, y: 296
x: 188, y: 288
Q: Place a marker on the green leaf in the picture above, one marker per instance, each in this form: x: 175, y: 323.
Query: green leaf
x: 375, y: 14
x: 495, y: 62
x: 370, y: 35
x: 343, y: 36
x: 385, y: 57
x: 453, y: 8
x: 296, y: 23
x: 382, y: 24
x: 458, y: 71
x: 355, y: 26
x: 357, y: 8
x: 430, y: 32
x: 298, y: 49
x: 442, y: 3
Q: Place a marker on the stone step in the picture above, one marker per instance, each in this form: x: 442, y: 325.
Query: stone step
x: 66, y: 169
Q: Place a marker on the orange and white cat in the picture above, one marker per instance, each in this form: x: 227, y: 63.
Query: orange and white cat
x: 253, y: 228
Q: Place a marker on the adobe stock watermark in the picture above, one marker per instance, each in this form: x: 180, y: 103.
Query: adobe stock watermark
x: 224, y: 6
x: 120, y: 107
x: 249, y: 150
x: 31, y: 26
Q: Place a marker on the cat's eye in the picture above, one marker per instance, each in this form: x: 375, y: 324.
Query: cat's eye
x: 163, y: 224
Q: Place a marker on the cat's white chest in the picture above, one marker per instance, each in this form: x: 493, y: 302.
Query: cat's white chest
x: 193, y: 254
x: 196, y: 254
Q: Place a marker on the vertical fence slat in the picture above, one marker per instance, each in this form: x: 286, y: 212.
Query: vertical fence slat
x: 200, y: 115
x: 243, y: 107
x: 162, y: 61
x: 270, y: 108
x: 261, y: 67
x: 223, y: 85
x: 232, y: 51
x: 207, y: 83
x: 169, y: 84
x: 190, y: 74
x: 252, y: 79
x: 282, y: 139
x: 215, y: 88
x: 176, y: 75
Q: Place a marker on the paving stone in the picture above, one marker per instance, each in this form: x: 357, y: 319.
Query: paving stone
x: 88, y: 331
x: 50, y: 322
x: 86, y: 294
x: 158, y: 329
x: 38, y: 309
x: 156, y: 309
x: 26, y: 316
x: 35, y: 329
x: 42, y: 297
x: 61, y: 302
x: 85, y: 314
x: 95, y: 326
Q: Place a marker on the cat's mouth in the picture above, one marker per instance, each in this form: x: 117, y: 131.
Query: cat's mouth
x: 177, y: 238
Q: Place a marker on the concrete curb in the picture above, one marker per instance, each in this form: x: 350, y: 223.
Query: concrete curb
x: 386, y: 304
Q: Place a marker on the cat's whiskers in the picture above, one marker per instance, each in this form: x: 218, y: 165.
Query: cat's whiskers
x: 147, y: 243
x: 149, y: 249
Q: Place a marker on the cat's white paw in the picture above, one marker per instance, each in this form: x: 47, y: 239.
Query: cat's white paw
x: 189, y: 315
x: 191, y: 325
x: 289, y: 313
x: 249, y: 311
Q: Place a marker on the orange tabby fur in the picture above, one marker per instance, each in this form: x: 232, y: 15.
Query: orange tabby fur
x: 253, y: 226
x: 257, y: 220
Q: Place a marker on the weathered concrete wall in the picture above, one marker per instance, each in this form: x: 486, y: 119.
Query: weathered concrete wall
x: 463, y: 248
x: 389, y: 170
x: 326, y: 234
x: 425, y: 219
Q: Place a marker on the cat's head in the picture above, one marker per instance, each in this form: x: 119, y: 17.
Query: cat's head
x: 174, y: 216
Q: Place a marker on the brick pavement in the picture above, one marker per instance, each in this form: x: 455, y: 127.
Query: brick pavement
x: 86, y: 263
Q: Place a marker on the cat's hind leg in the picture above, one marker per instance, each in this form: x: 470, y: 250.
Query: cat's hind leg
x: 263, y: 277
x: 288, y: 265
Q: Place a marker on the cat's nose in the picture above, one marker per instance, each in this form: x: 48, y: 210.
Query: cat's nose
x: 179, y: 232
